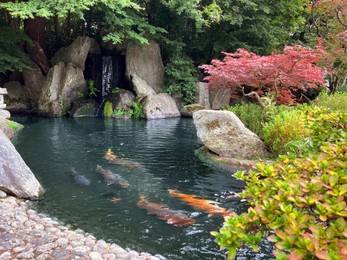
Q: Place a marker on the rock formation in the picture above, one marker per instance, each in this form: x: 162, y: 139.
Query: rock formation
x: 223, y: 133
x: 15, y: 176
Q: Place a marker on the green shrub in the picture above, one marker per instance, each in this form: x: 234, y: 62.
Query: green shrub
x: 136, y: 110
x: 336, y: 101
x: 181, y: 79
x: 284, y: 127
x: 108, y: 110
x: 297, y: 203
x: 251, y: 115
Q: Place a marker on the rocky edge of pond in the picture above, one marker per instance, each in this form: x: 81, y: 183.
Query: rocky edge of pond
x: 27, y: 234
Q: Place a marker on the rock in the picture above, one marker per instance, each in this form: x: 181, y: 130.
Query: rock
x: 16, y: 99
x: 203, y: 95
x: 64, y: 85
x: 16, y: 178
x: 141, y: 87
x: 160, y: 106
x: 145, y: 61
x: 4, y: 114
x: 223, y: 133
x: 124, y: 99
x: 37, y: 55
x: 188, y: 110
x: 76, y: 53
x: 3, y: 194
x: 34, y: 82
x: 219, y: 97
x: 84, y: 109
x: 9, y: 128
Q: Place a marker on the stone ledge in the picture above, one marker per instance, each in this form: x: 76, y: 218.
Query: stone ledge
x: 223, y: 163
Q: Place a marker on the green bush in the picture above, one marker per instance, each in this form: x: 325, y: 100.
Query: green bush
x: 181, y: 79
x: 297, y: 203
x: 136, y: 110
x: 283, y: 128
x: 251, y: 115
x: 336, y: 101
x: 108, y: 110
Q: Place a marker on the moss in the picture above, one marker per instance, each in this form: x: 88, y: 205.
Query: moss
x: 213, y: 124
x: 108, y: 110
x: 223, y: 164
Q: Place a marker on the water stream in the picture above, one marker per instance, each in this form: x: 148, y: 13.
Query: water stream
x: 165, y: 151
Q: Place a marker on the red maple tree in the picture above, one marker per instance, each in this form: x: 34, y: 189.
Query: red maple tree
x: 279, y: 73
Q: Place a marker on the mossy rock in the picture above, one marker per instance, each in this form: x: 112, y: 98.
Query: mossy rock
x: 10, y: 128
x: 188, y: 110
x: 222, y: 163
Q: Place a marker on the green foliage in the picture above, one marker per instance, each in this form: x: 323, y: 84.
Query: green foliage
x: 92, y: 89
x: 12, y: 58
x: 136, y: 110
x: 301, y: 202
x: 181, y: 79
x: 283, y: 128
x: 13, y: 125
x: 251, y: 115
x: 336, y: 101
x: 119, y: 113
x: 108, y: 110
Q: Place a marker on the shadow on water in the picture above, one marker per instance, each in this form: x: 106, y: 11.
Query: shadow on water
x: 165, y: 151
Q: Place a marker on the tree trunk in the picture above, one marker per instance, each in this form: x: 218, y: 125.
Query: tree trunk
x: 36, y: 30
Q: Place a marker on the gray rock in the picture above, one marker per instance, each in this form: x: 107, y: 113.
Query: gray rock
x: 188, y: 110
x: 38, y: 56
x: 64, y: 85
x: 141, y: 87
x: 160, y: 106
x: 145, y: 61
x: 219, y: 97
x: 123, y: 99
x: 34, y: 82
x: 76, y: 53
x: 2, y: 194
x: 203, y: 95
x: 16, y: 99
x: 5, y: 114
x: 84, y: 109
x: 223, y: 133
x: 15, y: 176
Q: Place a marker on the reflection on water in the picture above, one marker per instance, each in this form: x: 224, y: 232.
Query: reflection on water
x: 165, y: 151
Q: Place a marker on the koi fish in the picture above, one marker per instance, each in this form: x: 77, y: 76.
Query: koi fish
x: 79, y: 179
x: 202, y: 204
x: 111, y: 157
x: 112, y: 178
x: 173, y: 217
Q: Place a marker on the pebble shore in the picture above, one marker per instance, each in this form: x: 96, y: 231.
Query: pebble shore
x: 27, y: 234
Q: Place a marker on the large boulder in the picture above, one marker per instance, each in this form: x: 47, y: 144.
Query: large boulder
x: 64, y: 85
x: 219, y: 97
x: 141, y: 87
x: 16, y: 98
x: 15, y: 176
x: 84, y: 109
x: 76, y: 53
x: 145, y: 61
x: 37, y: 55
x: 160, y: 106
x: 203, y: 95
x: 223, y: 133
x: 34, y: 80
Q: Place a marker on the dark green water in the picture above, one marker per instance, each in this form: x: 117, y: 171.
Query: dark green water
x: 164, y: 148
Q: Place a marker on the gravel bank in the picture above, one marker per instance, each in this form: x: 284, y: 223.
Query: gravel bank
x: 27, y: 234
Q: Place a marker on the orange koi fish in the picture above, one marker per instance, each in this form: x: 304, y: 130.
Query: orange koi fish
x: 174, y: 217
x: 202, y: 204
x: 111, y: 157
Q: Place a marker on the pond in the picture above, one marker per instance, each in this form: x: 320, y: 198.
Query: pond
x: 164, y: 152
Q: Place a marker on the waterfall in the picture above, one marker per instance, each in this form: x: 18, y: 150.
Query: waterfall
x: 107, y: 75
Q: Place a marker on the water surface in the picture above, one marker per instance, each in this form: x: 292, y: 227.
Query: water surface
x: 165, y: 151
